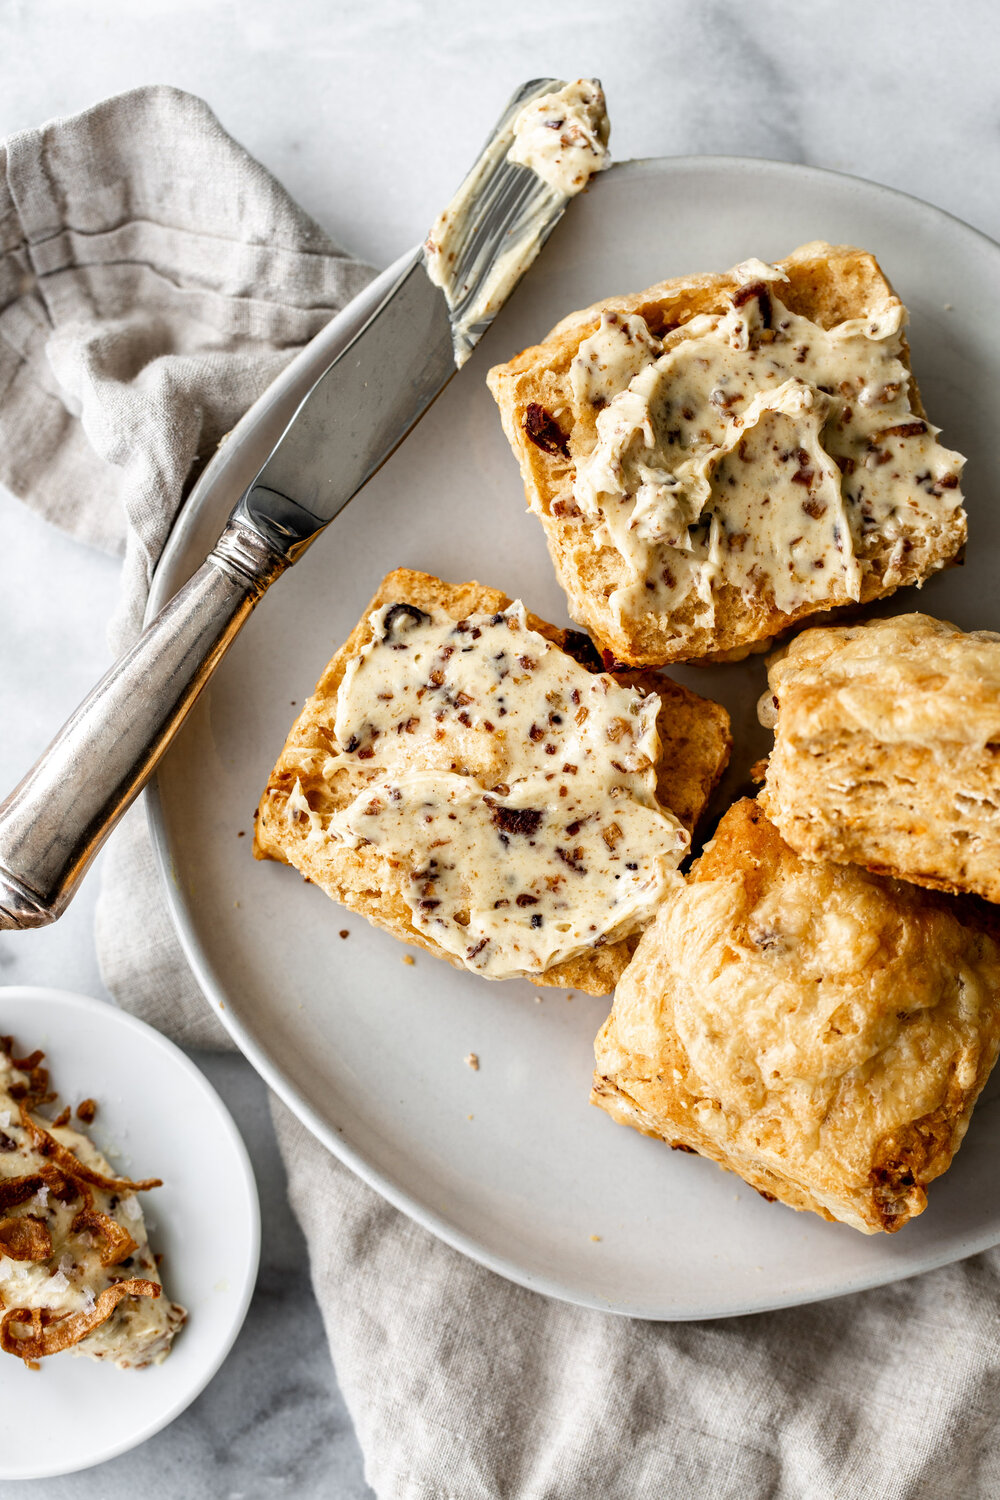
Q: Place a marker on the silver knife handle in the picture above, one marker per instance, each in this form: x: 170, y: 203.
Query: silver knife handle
x: 56, y: 819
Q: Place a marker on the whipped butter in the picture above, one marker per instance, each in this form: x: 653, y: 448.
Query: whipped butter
x: 562, y: 137
x: 514, y: 789
x: 755, y: 448
x: 66, y: 1213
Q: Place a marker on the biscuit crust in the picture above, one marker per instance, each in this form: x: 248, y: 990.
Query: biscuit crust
x: 887, y: 750
x: 819, y: 1030
x: 827, y: 284
x: 694, y: 750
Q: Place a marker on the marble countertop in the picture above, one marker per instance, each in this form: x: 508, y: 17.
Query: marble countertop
x: 370, y: 115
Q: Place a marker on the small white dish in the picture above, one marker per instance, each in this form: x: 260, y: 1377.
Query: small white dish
x: 511, y: 1164
x: 157, y: 1116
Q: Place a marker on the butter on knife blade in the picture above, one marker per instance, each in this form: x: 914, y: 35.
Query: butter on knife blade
x: 560, y: 136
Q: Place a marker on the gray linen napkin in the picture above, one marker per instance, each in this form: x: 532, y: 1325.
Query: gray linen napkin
x: 153, y: 279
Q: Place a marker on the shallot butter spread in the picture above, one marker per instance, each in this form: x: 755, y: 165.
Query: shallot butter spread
x: 755, y: 448
x: 76, y: 1269
x: 562, y: 137
x: 514, y: 788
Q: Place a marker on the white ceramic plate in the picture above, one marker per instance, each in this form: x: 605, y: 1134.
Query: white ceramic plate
x: 157, y: 1117
x: 511, y: 1164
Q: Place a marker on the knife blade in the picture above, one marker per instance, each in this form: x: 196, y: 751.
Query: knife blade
x: 348, y: 424
x: 355, y: 416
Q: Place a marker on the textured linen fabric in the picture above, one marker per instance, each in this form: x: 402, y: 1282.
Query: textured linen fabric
x: 153, y: 280
x: 466, y: 1387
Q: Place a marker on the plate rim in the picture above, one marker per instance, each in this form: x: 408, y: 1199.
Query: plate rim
x: 332, y: 337
x: 109, y: 1011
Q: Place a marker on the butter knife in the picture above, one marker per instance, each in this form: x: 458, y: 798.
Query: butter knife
x: 349, y: 423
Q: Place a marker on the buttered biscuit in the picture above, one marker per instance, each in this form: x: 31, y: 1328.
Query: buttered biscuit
x: 887, y: 750
x: 720, y: 456
x: 819, y: 1030
x: 460, y: 778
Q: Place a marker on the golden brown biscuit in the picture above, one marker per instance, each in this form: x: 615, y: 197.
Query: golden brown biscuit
x: 553, y: 409
x: 821, y: 1031
x: 887, y: 750
x: 694, y: 744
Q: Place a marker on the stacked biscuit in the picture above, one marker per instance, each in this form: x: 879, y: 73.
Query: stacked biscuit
x: 714, y: 461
